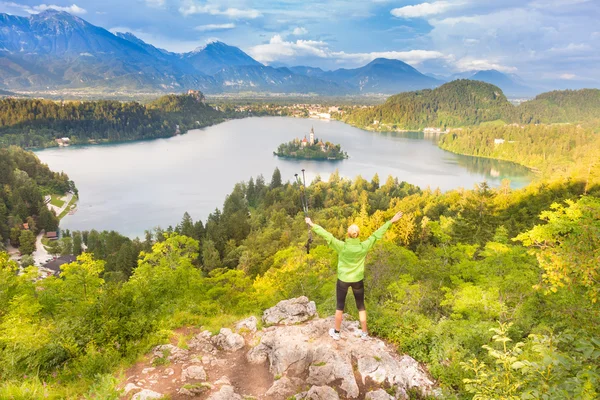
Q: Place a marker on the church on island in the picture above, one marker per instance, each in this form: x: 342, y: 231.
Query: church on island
x: 311, y: 141
x: 311, y: 148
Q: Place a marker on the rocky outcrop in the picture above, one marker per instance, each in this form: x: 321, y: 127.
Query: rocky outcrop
x: 289, y: 312
x: 146, y: 394
x: 247, y: 325
x: 194, y: 372
x: 289, y: 359
x: 202, y: 343
x: 301, y: 349
x: 284, y: 387
x: 378, y: 395
x: 228, y: 341
x: 170, y: 353
x: 226, y: 393
x: 321, y: 393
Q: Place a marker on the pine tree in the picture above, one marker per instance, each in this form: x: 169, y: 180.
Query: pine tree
x: 276, y: 179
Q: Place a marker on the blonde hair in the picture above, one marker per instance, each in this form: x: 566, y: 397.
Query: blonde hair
x: 353, y: 231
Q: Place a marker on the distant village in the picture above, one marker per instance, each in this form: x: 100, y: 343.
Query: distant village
x: 298, y: 110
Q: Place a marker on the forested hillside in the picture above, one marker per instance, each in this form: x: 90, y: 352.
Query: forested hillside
x: 37, y: 123
x: 458, y: 103
x: 561, y: 106
x: 457, y: 266
x: 553, y: 150
x: 24, y: 181
x: 463, y: 103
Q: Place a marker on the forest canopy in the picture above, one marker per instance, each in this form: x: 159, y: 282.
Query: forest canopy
x: 37, y: 123
x: 464, y: 102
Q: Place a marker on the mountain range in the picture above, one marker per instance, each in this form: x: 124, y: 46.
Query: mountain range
x: 57, y: 50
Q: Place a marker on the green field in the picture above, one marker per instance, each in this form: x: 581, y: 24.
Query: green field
x: 56, y: 200
x: 68, y: 208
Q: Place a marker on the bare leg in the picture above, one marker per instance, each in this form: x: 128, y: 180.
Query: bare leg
x: 338, y: 320
x: 362, y: 316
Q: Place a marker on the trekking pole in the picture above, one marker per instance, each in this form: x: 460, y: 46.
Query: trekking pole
x: 310, y: 239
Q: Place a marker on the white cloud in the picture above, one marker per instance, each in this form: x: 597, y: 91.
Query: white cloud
x: 240, y: 14
x: 73, y: 9
x: 568, y: 76
x: 191, y: 8
x: 470, y: 64
x: 423, y: 9
x: 279, y: 49
x: 571, y: 48
x: 214, y: 27
x: 412, y: 57
x: 299, y: 31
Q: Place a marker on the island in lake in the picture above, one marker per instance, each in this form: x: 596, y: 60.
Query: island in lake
x: 311, y: 149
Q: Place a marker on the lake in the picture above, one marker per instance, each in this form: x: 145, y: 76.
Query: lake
x: 134, y: 186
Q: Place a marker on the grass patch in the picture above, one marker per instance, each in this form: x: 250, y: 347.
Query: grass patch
x: 319, y: 364
x: 215, y: 324
x: 56, y: 200
x: 164, y: 360
x: 68, y: 208
x: 182, y: 341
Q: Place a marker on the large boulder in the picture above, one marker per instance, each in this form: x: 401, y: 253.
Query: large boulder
x: 171, y: 353
x: 306, y: 351
x: 195, y: 389
x: 378, y: 395
x: 226, y: 393
x: 194, y: 372
x: 202, y: 343
x: 289, y: 312
x: 284, y: 388
x: 322, y: 393
x: 330, y: 365
x: 228, y: 341
x: 147, y: 394
x: 246, y: 325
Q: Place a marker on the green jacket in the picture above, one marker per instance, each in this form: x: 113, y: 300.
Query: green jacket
x: 352, y: 252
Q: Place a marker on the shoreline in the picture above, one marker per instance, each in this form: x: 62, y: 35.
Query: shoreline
x: 534, y: 170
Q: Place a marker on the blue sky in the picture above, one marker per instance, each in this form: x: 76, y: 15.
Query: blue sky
x: 550, y: 41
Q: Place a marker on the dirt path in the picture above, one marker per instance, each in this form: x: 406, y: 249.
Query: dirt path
x: 221, y: 368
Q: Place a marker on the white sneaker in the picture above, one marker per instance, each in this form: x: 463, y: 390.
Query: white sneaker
x: 364, y: 335
x: 334, y: 334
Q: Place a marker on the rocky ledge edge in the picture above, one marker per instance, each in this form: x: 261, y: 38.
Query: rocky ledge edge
x: 298, y: 358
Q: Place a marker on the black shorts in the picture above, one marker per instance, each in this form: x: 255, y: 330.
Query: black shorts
x: 358, y: 289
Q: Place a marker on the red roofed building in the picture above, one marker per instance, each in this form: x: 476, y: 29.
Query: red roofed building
x: 304, y: 142
x: 52, y: 235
